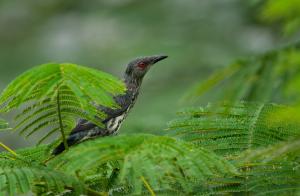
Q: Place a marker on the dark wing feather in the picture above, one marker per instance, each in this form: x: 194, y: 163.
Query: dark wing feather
x: 123, y: 101
x: 85, y: 128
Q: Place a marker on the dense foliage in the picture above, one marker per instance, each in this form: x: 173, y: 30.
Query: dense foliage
x: 55, y: 95
x: 270, y: 77
x: 227, y: 147
x: 246, y: 142
x: 231, y: 129
x: 285, y: 12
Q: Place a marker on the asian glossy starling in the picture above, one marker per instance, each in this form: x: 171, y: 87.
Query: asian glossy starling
x: 133, y: 78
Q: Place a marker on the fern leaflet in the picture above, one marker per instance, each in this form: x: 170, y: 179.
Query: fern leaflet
x: 272, y: 170
x: 166, y: 163
x: 37, y: 179
x: 229, y: 129
x: 55, y: 95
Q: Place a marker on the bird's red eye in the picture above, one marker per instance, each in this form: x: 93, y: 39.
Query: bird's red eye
x: 142, y: 65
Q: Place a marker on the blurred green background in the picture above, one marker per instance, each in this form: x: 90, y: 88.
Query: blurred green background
x: 199, y: 37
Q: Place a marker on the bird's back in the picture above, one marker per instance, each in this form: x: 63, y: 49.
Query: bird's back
x: 86, y: 130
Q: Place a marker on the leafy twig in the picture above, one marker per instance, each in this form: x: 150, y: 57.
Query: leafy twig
x: 8, y: 149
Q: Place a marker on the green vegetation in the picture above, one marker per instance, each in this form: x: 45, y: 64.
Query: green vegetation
x: 285, y: 12
x: 231, y: 129
x: 237, y: 131
x: 38, y: 179
x: 249, y: 79
x: 55, y: 94
x: 3, y: 125
x: 223, y: 148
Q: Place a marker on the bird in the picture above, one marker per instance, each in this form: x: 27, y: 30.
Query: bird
x: 133, y: 77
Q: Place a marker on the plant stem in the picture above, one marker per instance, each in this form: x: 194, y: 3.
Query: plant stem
x: 147, y: 185
x: 8, y: 149
x: 60, y: 119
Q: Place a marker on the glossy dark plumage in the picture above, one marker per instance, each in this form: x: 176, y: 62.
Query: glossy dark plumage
x: 133, y: 77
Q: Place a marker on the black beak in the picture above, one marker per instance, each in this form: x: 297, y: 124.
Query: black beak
x: 158, y: 58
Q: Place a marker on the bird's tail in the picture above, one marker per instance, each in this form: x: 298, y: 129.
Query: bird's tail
x: 72, y: 140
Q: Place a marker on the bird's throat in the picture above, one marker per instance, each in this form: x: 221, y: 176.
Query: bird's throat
x: 132, y: 83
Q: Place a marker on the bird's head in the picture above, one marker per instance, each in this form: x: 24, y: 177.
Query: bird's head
x: 137, y: 68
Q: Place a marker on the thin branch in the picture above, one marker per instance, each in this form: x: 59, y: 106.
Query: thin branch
x: 147, y: 185
x: 8, y: 149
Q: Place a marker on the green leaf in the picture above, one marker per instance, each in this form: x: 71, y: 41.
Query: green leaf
x: 53, y: 96
x: 285, y: 12
x: 15, y: 181
x: 288, y: 150
x: 162, y: 162
x: 269, y: 77
x: 229, y: 129
x: 26, y: 156
x: 273, y: 170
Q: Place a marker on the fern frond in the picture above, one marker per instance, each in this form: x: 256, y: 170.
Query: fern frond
x: 288, y: 151
x: 55, y: 95
x: 249, y: 79
x: 14, y: 181
x: 161, y: 161
x: 26, y: 157
x: 271, y: 170
x: 229, y: 129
